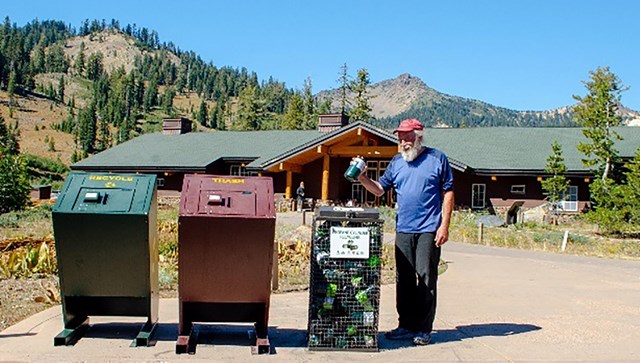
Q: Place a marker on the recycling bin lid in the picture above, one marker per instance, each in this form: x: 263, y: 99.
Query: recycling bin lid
x: 106, y: 193
x: 347, y: 212
x: 227, y: 196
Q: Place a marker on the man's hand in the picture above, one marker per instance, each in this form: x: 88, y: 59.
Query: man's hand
x: 442, y: 236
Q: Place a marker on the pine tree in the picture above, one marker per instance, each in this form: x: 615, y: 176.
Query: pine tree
x: 79, y: 65
x: 11, y: 87
x: 213, y: 117
x: 104, y: 134
x: 151, y: 95
x: 325, y: 107
x: 344, y: 82
x: 87, y: 128
x: 37, y: 61
x: 362, y: 109
x: 61, y: 89
x: 95, y: 66
x: 14, y: 179
x: 631, y: 192
x: 556, y: 185
x: 203, y: 113
x: 294, y: 118
x: 14, y: 182
x: 597, y: 113
x: 310, y: 107
x: 167, y: 101
x: 221, y: 107
x: 9, y: 138
x: 250, y: 110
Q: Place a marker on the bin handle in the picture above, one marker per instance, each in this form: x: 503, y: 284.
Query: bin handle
x: 215, y: 199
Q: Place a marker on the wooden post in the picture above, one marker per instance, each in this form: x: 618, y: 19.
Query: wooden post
x: 564, y: 240
x: 287, y: 191
x: 480, y: 232
x: 325, y: 177
x: 274, y: 270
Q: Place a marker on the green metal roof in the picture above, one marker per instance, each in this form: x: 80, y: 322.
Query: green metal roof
x: 195, y: 150
x: 490, y: 149
x: 519, y: 148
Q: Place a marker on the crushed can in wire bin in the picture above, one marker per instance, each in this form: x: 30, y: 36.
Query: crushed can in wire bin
x: 355, y: 169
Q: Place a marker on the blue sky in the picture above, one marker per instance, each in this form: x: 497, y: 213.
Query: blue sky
x: 523, y: 55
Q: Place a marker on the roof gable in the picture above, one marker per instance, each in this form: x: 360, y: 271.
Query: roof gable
x: 266, y: 163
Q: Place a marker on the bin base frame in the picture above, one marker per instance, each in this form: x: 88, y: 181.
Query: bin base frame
x: 193, y: 312
x: 187, y: 343
x: 77, y: 327
x: 262, y: 346
x: 72, y: 331
x: 143, y: 339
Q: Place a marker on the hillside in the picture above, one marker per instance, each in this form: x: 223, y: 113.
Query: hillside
x: 36, y: 117
x: 118, y: 50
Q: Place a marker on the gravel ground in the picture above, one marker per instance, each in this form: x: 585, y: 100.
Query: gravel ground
x: 22, y: 298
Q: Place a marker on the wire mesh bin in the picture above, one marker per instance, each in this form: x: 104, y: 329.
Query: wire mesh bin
x: 344, y: 287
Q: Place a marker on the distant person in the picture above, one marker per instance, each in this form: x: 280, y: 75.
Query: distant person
x: 300, y: 196
x: 423, y: 182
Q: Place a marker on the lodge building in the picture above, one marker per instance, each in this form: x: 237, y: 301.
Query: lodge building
x: 493, y: 167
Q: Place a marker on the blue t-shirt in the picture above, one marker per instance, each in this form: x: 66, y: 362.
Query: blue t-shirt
x: 419, y: 185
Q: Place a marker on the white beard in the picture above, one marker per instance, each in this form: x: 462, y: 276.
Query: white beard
x: 410, y: 153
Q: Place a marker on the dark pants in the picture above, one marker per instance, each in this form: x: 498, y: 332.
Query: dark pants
x: 417, y: 260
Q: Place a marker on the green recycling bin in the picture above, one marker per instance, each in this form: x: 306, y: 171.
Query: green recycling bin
x: 106, y: 245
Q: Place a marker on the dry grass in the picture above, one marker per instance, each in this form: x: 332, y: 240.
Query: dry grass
x: 32, y: 112
x: 583, y: 238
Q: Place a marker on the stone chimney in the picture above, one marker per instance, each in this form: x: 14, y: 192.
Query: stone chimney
x: 331, y: 122
x: 176, y: 126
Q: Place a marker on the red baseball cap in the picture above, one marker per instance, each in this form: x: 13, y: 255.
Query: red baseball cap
x: 409, y: 124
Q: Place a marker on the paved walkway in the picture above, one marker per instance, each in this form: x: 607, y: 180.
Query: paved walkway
x: 495, y: 305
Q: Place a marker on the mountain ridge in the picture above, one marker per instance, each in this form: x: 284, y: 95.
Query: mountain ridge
x: 408, y: 96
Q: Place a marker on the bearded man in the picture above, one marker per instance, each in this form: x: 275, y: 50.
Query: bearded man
x: 423, y: 182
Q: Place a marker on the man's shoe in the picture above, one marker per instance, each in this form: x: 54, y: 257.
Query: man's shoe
x: 422, y: 339
x: 400, y: 333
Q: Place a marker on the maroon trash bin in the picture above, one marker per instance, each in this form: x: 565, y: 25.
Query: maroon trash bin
x: 226, y: 229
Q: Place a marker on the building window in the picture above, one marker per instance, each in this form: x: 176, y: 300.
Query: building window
x: 518, y: 189
x: 478, y: 192
x: 160, y: 182
x: 375, y: 170
x: 240, y: 170
x: 357, y: 192
x: 570, y: 199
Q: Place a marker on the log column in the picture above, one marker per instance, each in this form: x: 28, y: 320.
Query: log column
x: 325, y: 177
x: 287, y: 191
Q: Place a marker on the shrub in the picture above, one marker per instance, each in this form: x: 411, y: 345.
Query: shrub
x: 14, y: 183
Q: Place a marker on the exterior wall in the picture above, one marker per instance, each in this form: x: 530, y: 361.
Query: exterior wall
x: 498, y: 192
x: 172, y: 181
x: 339, y: 187
x: 499, y: 195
